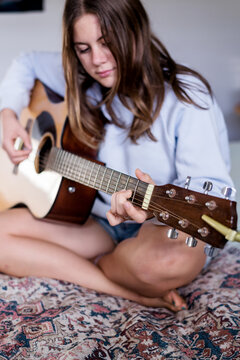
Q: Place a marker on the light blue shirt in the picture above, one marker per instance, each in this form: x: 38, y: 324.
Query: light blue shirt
x: 190, y: 141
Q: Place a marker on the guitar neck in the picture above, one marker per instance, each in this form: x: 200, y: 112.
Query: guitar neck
x: 97, y: 176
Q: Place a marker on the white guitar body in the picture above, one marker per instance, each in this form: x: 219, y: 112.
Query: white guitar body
x: 22, y: 184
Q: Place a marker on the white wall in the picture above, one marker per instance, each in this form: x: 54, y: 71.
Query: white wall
x: 204, y: 34
x: 39, y: 30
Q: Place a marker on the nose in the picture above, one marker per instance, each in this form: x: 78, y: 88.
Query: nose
x: 99, y: 56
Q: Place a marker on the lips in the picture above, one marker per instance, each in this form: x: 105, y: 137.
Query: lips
x: 105, y: 73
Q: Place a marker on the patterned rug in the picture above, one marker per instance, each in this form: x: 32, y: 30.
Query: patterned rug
x: 47, y: 319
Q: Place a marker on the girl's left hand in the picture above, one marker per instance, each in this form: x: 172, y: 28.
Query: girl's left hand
x: 122, y: 209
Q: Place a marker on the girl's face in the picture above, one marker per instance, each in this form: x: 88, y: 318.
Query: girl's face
x: 93, y: 52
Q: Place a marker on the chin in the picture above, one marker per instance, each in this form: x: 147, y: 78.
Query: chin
x: 108, y: 83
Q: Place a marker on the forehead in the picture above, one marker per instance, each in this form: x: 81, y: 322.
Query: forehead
x: 86, y: 28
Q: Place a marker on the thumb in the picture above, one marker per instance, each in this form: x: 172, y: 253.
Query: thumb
x: 26, y: 139
x: 144, y: 177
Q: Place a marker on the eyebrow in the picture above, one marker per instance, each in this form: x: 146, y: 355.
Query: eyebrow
x: 83, y: 43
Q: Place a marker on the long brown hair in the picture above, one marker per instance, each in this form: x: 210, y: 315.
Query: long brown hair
x: 144, y: 66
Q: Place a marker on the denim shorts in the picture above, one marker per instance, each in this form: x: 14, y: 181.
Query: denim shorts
x: 125, y: 230
x: 118, y: 232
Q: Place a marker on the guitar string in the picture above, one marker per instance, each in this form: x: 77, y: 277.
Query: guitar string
x: 74, y: 172
x: 154, y: 207
x: 138, y: 198
x: 121, y: 185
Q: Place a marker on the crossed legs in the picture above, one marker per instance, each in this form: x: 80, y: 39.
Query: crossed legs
x: 153, y: 264
x: 140, y: 269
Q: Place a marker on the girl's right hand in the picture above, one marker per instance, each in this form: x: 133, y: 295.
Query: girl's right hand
x: 11, y: 130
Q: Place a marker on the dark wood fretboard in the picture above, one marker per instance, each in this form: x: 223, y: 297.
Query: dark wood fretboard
x: 94, y: 175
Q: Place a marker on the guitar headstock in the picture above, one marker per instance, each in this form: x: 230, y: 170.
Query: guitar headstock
x: 182, y: 209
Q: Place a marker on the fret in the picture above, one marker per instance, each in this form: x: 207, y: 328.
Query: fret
x: 96, y: 176
x: 75, y: 165
x: 126, y: 186
x: 69, y: 168
x: 135, y: 190
x: 62, y: 166
x: 86, y: 170
x: 100, y: 187
x: 90, y: 175
x: 81, y: 169
x: 107, y: 189
x: 66, y: 163
x: 132, y: 183
x: 118, y: 180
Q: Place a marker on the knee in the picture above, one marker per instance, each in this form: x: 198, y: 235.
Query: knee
x: 166, y: 271
x: 149, y: 268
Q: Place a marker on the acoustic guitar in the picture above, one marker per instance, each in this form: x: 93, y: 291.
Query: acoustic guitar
x: 60, y: 179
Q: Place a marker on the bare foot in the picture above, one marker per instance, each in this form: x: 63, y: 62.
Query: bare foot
x: 171, y: 300
x: 174, y: 298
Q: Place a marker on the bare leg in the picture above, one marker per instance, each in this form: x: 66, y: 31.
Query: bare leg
x: 153, y: 265
x: 36, y: 248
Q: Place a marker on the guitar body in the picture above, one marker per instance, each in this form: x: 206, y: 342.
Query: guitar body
x: 60, y: 178
x: 73, y: 206
x: 47, y: 194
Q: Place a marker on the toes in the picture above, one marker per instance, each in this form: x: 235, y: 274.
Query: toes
x: 174, y: 298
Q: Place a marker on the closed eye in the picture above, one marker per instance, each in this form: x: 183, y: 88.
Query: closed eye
x: 82, y: 51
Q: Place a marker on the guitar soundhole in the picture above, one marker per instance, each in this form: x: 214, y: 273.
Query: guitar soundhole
x: 43, y: 153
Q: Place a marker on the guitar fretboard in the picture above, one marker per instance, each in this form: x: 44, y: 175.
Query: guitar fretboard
x: 94, y: 175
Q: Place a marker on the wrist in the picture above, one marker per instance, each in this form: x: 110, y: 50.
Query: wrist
x: 8, y: 113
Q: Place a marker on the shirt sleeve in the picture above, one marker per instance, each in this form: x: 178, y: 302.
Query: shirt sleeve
x: 202, y: 149
x: 19, y: 79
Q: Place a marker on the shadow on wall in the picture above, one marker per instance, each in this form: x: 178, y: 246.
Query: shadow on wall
x: 20, y: 5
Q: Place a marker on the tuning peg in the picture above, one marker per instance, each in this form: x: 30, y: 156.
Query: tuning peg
x: 228, y: 192
x: 207, y: 186
x: 191, y: 241
x: 172, y: 234
x: 210, y: 250
x: 187, y: 182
